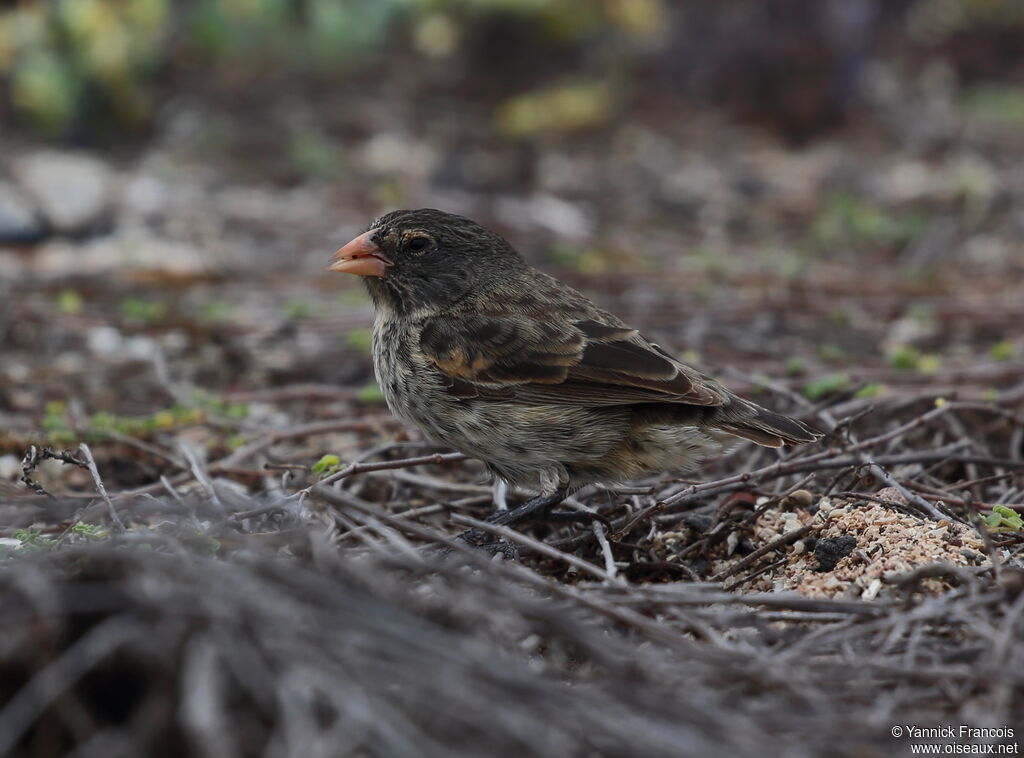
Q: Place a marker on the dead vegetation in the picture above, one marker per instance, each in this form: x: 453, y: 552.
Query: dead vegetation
x: 322, y: 617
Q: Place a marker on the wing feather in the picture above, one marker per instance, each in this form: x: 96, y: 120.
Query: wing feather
x: 586, y: 362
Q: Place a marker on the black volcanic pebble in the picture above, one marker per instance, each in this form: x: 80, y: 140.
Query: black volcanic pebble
x: 828, y: 551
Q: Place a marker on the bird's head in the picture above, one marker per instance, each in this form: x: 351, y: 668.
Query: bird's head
x: 426, y: 259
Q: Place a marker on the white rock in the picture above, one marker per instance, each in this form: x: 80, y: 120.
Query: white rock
x: 129, y: 251
x: 391, y: 152
x: 872, y: 591
x: 104, y: 340
x: 564, y: 219
x: 72, y: 189
x: 10, y: 468
x: 19, y: 221
x: 145, y: 196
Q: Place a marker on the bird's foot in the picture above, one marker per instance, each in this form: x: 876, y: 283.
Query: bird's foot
x: 537, y: 507
x: 578, y: 517
x: 481, y: 540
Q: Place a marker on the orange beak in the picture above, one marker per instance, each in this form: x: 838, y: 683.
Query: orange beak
x: 362, y: 257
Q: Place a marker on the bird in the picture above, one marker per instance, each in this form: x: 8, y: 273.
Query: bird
x: 490, y: 356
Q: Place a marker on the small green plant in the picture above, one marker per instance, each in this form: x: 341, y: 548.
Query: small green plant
x: 32, y: 539
x: 907, y: 358
x: 831, y: 353
x: 91, y: 531
x: 57, y: 424
x: 585, y: 260
x: 826, y: 385
x: 142, y: 311
x: 847, y: 219
x: 922, y: 313
x: 995, y: 103
x: 690, y: 356
x: 871, y: 390
x: 211, y: 403
x: 176, y: 416
x: 99, y: 426
x: 796, y: 366
x: 561, y: 108
x: 296, y: 310
x: 904, y: 358
x: 1003, y: 519
x: 314, y: 156
x: 360, y: 339
x: 1005, y: 350
x: 370, y: 395
x: 215, y: 311
x: 68, y: 302
x: 327, y: 465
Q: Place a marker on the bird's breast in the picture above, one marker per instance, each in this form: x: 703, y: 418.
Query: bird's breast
x: 410, y: 384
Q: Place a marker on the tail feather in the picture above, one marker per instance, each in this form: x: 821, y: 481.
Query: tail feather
x: 769, y: 429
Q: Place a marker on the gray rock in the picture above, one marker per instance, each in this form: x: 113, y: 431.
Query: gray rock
x: 19, y: 222
x: 73, y: 190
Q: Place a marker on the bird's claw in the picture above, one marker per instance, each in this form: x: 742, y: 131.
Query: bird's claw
x: 482, y: 540
x: 579, y: 517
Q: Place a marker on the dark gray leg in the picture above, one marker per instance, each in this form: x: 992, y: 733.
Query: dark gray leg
x: 534, y: 508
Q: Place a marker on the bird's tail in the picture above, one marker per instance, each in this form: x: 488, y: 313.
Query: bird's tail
x: 765, y: 427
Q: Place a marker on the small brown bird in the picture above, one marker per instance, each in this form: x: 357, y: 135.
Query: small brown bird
x: 504, y: 363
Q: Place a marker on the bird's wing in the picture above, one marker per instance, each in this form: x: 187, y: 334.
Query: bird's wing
x: 586, y: 362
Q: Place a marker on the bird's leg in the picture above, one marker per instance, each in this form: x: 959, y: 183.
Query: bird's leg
x: 578, y: 517
x: 537, y: 506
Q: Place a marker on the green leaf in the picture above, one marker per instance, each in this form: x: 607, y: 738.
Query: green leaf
x: 327, y: 464
x: 68, y: 302
x: 92, y: 531
x: 796, y: 366
x: 904, y: 358
x: 370, y: 394
x: 871, y: 390
x: 1003, y: 351
x: 360, y: 339
x: 826, y: 385
x: 1003, y: 519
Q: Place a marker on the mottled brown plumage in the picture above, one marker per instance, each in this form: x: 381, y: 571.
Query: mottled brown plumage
x: 504, y: 363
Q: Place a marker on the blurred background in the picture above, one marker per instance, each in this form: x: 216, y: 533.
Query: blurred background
x: 830, y: 194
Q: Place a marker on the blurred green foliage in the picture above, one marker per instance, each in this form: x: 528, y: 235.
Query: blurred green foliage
x: 826, y: 385
x: 327, y: 465
x: 65, y: 62
x: 62, y: 429
x: 53, y: 53
x: 995, y: 102
x: 370, y: 395
x: 65, y: 58
x: 360, y: 339
x: 1003, y: 519
x: 908, y: 358
x: 846, y: 219
x: 142, y: 311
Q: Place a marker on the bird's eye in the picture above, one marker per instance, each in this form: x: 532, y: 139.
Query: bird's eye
x: 417, y: 244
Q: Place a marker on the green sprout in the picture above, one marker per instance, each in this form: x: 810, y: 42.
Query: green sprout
x: 1003, y: 519
x: 327, y: 465
x: 826, y: 385
x: 370, y: 395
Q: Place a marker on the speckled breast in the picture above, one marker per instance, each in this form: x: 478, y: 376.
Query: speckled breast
x: 411, y: 386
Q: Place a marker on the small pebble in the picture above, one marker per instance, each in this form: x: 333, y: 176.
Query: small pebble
x: 831, y: 550
x: 798, y: 499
